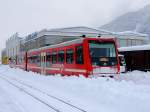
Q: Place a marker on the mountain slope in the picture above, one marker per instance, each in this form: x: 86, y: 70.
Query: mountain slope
x: 133, y: 21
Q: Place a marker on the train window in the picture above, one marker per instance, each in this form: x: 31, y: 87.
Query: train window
x: 30, y: 60
x: 35, y: 59
x: 48, y: 59
x: 79, y: 55
x: 38, y: 60
x: 102, y: 53
x: 69, y: 56
x: 54, y: 57
x: 61, y: 56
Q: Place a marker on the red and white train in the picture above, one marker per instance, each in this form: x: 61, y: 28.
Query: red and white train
x: 86, y: 56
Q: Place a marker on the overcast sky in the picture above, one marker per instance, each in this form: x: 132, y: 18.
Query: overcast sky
x: 27, y: 16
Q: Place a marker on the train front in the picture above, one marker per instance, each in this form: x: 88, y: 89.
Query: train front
x: 104, y: 57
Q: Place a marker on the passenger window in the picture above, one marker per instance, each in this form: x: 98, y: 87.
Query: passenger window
x: 34, y: 60
x: 54, y: 57
x: 30, y: 60
x: 48, y: 59
x: 61, y: 56
x: 69, y: 56
x: 38, y: 60
x: 79, y: 55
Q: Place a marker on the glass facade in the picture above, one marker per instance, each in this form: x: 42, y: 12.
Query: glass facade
x: 129, y: 42
x: 122, y: 42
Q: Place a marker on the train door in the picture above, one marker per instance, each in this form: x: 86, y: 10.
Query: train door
x: 25, y: 61
x: 43, y: 63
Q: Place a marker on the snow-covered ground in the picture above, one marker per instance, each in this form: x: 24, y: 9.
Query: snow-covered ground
x: 130, y: 93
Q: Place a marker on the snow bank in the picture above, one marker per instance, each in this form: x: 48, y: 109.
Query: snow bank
x: 137, y: 77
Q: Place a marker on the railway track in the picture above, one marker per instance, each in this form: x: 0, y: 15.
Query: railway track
x: 33, y: 96
x: 47, y: 98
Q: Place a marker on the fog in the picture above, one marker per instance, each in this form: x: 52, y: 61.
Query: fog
x: 27, y: 16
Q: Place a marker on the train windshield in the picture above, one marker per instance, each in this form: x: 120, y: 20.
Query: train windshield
x: 102, y: 53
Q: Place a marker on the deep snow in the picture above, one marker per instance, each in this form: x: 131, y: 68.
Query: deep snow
x: 130, y: 93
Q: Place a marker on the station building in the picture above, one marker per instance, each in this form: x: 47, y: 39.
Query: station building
x: 54, y: 36
x: 46, y: 37
x: 13, y: 45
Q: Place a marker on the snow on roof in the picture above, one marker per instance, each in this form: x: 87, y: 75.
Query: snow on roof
x: 80, y: 29
x: 83, y: 30
x: 132, y: 33
x: 127, y: 34
x: 106, y: 31
x: 135, y: 48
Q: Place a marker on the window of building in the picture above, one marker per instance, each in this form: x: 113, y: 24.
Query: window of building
x: 69, y: 56
x: 138, y: 42
x: 61, y: 56
x: 129, y: 42
x: 123, y: 42
x: 79, y: 55
x: 133, y: 42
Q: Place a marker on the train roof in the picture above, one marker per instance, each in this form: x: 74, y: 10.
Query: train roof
x: 67, y: 43
x: 135, y: 48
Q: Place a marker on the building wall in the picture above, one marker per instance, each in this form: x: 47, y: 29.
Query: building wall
x: 125, y: 42
x: 13, y: 46
x: 48, y: 37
